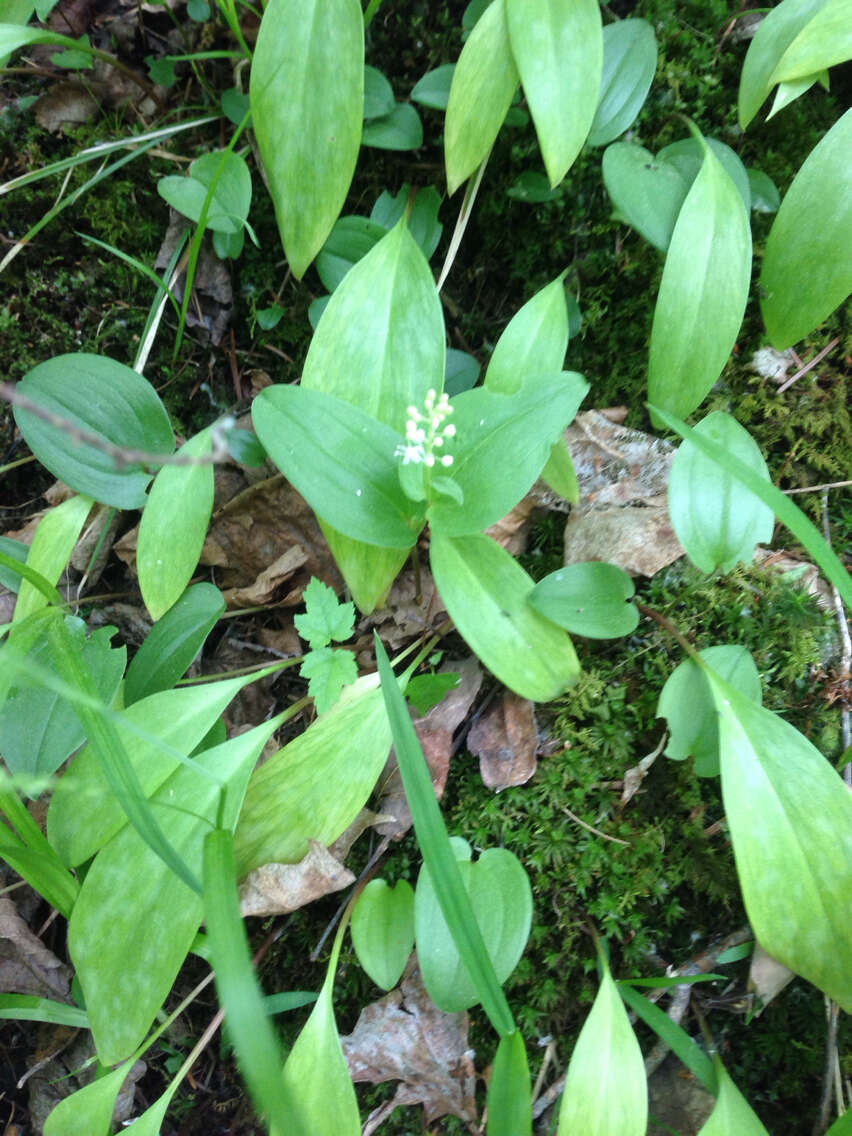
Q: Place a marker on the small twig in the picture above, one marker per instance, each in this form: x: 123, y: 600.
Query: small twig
x: 463, y: 218
x: 809, y: 366
x: 816, y: 488
x: 846, y: 641
x: 822, y: 1120
x: 591, y: 828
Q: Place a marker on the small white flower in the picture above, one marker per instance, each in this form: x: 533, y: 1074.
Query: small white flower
x: 425, y: 433
x: 447, y: 460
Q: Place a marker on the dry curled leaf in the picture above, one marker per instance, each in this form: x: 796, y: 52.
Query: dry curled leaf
x: 26, y: 964
x: 276, y: 889
x: 505, y: 739
x: 405, y: 1037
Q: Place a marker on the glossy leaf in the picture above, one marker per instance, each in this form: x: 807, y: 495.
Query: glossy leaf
x: 316, y: 1082
x: 501, y: 899
x: 341, y: 460
x: 433, y: 90
x: 485, y: 591
x: 647, y: 193
x: 400, y: 129
x: 558, y: 50
x: 383, y: 930
x: 512, y: 434
x: 509, y: 1090
x: 174, y: 526
x: 774, y: 35
x: 102, y: 397
x: 533, y: 342
x: 588, y: 599
x: 825, y: 40
x: 483, y: 85
x: 732, y: 1114
x: 811, y: 239
x: 629, y: 65
x: 54, y: 540
x: 307, y: 97
x: 288, y: 801
x: 790, y: 819
x: 173, y: 642
x: 686, y: 702
x: 703, y: 291
x: 127, y: 952
x: 606, y: 1093
x: 716, y: 518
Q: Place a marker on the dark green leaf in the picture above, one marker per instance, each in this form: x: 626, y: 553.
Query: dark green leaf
x: 269, y: 318
x: 349, y: 240
x: 427, y: 690
x: 687, y: 156
x: 399, y: 130
x: 765, y: 197
x: 462, y: 372
x: 422, y: 222
x: 378, y: 94
x: 433, y: 90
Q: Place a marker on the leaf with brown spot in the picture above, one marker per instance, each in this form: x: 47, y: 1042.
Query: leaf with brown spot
x: 505, y: 739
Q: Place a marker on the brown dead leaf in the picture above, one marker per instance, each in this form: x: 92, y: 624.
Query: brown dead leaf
x: 512, y: 530
x: 435, y: 732
x: 26, y: 964
x: 505, y: 739
x: 69, y: 1071
x: 766, y: 977
x: 640, y: 540
x: 404, y: 1037
x: 616, y: 465
x: 268, y: 583
x: 212, y: 294
x: 404, y: 617
x: 276, y: 889
x: 65, y: 105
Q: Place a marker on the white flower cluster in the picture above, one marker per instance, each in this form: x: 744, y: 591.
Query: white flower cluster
x: 425, y: 432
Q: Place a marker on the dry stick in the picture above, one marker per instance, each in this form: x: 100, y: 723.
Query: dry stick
x: 846, y: 657
x: 810, y: 365
x: 832, y: 1014
x: 815, y: 488
x: 461, y: 223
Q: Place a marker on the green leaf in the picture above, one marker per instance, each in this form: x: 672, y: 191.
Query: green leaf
x: 90, y: 1109
x: 14, y: 36
x: 427, y: 690
x: 765, y: 197
x: 483, y: 85
x: 558, y: 49
x: 606, y: 1093
x: 732, y: 1115
x: 328, y: 671
x: 17, y: 550
x: 349, y: 240
x: 378, y: 94
x: 811, y: 239
x: 501, y: 899
x: 485, y: 591
x: 342, y: 461
x: 316, y: 1082
x: 83, y: 813
x: 438, y: 856
x: 173, y: 642
x: 383, y: 930
x: 433, y: 90
x: 825, y: 40
x: 367, y: 569
x: 715, y: 517
x: 789, y: 92
x: 842, y: 1126
x: 229, y: 207
x: 675, y: 1036
x: 686, y: 702
x: 533, y: 342
x: 509, y: 1090
x: 289, y: 801
x: 401, y: 129
x: 422, y: 221
x: 790, y: 819
x: 687, y: 157
x: 26, y: 1007
x: 255, y: 1041
x: 533, y: 187
x: 629, y: 65
x: 307, y: 99
x: 55, y: 537
x: 325, y: 618
x: 703, y: 291
x: 647, y: 193
x: 103, y: 397
x: 588, y: 599
x: 559, y: 473
x: 510, y: 433
x: 129, y: 949
x: 776, y: 32
x: 38, y: 728
x: 173, y: 527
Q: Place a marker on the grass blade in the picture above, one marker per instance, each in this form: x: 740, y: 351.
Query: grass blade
x: 28, y: 1008
x: 677, y: 1039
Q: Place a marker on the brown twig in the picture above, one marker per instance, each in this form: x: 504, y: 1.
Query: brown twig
x: 809, y: 366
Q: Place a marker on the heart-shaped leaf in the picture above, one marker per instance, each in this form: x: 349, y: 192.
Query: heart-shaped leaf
x: 629, y: 65
x: 433, y: 90
x: 229, y: 206
x: 647, y: 193
x: 501, y: 897
x: 588, y: 599
x: 383, y: 930
x: 687, y: 156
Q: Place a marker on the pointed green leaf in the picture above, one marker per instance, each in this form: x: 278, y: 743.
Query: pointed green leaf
x: 648, y: 194
x: 289, y: 801
x: 54, y: 540
x: 173, y: 642
x: 307, y: 97
x: 484, y: 83
x: 103, y: 397
x: 558, y: 50
x: 606, y: 1093
x: 90, y: 1109
x: 629, y: 65
x: 485, y: 591
x: 173, y: 527
x: 383, y: 930
x: 588, y: 599
x: 509, y: 1090
x: 811, y: 239
x: 790, y: 819
x: 825, y: 40
x: 687, y: 1051
x: 378, y: 94
x: 703, y: 291
x: 716, y: 518
x: 559, y: 473
x: 501, y: 899
x: 732, y: 1115
x: 533, y: 342
x: 128, y: 950
x: 776, y: 32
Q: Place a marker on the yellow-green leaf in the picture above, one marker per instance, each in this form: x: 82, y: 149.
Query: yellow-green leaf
x: 732, y: 1115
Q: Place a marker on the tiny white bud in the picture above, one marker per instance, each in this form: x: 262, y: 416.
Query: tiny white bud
x: 449, y: 431
x: 430, y: 460
x: 439, y: 441
x: 447, y: 460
